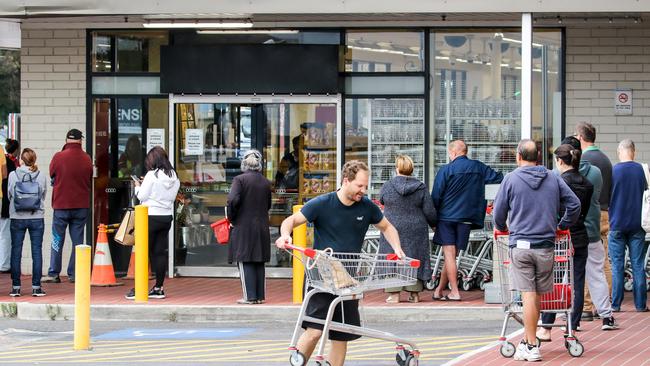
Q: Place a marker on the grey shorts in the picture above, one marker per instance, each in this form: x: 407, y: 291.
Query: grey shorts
x: 531, y: 270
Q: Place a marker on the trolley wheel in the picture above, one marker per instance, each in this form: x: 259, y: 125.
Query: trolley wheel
x: 323, y: 363
x: 431, y: 284
x: 481, y: 284
x: 296, y: 358
x: 467, y: 285
x: 628, y: 285
x: 507, y: 350
x: 411, y: 360
x: 575, y: 348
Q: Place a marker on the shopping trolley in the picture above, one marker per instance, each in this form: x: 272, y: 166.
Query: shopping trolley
x: 348, y: 276
x: 557, y: 301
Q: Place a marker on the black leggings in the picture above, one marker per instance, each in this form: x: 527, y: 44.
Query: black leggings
x: 158, y: 242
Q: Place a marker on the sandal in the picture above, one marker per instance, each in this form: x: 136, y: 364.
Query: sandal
x: 447, y: 298
x: 414, y: 297
x: 392, y: 299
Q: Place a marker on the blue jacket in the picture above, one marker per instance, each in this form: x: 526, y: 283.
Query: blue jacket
x: 459, y: 191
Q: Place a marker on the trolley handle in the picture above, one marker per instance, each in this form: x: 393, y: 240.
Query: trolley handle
x: 560, y: 233
x: 501, y: 233
x: 306, y: 251
x: 414, y: 263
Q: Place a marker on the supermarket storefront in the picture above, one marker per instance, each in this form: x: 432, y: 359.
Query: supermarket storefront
x: 309, y: 100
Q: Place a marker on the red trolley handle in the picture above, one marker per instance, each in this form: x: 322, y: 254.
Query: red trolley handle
x: 501, y: 233
x: 414, y: 263
x: 306, y: 251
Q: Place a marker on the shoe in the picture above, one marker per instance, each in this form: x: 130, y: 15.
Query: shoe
x: 392, y: 299
x: 587, y: 316
x: 527, y: 352
x: 543, y: 335
x: 578, y: 329
x: 38, y: 292
x: 616, y: 310
x: 246, y: 302
x: 157, y: 293
x: 414, y: 298
x: 51, y: 279
x: 15, y: 292
x: 642, y: 310
x: 5, y: 271
x: 609, y: 324
x: 260, y: 302
x: 130, y: 295
x: 71, y: 279
x: 596, y: 315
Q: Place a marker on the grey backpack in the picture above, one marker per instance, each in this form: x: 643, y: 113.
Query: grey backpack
x: 27, y: 193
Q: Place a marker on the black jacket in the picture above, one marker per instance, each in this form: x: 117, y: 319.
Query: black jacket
x: 583, y: 189
x: 11, y: 166
x: 249, y: 202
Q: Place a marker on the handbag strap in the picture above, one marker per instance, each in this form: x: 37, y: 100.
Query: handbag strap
x: 646, y: 173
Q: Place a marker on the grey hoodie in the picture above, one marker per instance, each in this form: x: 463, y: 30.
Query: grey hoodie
x: 18, y: 175
x: 530, y: 199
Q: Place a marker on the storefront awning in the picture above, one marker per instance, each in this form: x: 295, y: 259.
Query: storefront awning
x: 237, y: 8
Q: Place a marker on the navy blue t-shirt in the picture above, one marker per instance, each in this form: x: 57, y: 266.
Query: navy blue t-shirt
x: 340, y: 227
x: 628, y: 184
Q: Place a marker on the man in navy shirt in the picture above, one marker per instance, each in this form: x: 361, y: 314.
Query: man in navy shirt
x: 628, y: 184
x: 340, y: 220
x: 459, y: 197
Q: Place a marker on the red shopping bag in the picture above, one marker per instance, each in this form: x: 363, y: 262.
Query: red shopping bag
x: 222, y: 230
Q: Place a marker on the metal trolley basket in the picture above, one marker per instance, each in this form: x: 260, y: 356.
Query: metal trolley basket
x: 348, y: 276
x: 559, y: 300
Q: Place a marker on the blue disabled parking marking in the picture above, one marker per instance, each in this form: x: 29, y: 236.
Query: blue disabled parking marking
x: 206, y: 333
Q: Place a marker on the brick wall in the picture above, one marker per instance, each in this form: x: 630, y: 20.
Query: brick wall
x: 599, y: 60
x: 53, y: 100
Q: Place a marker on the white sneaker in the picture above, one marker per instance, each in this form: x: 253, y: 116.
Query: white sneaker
x: 524, y: 353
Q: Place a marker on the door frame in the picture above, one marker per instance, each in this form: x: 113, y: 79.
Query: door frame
x: 244, y: 99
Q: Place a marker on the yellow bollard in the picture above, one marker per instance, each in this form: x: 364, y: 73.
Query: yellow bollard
x: 141, y: 253
x: 299, y: 240
x: 82, y: 298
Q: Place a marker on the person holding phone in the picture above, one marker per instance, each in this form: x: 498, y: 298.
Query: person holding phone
x: 158, y: 192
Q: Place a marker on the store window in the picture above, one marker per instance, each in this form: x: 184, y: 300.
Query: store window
x: 384, y: 51
x: 122, y: 51
x: 257, y: 36
x: 476, y: 94
x: 377, y: 130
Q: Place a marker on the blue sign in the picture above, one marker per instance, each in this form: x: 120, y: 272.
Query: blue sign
x: 148, y: 334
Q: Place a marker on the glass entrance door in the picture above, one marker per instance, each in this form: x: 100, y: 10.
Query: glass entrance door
x: 298, y: 142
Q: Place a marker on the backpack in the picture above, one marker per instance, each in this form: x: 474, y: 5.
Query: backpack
x: 27, y: 194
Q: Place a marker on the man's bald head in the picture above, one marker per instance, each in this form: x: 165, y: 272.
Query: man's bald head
x: 457, y: 147
x: 527, y: 150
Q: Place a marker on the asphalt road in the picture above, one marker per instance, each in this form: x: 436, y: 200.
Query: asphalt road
x: 170, y: 343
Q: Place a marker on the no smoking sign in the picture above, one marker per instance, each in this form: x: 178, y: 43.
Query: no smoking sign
x: 623, y: 102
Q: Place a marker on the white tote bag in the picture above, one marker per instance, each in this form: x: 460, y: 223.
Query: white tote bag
x: 645, y: 208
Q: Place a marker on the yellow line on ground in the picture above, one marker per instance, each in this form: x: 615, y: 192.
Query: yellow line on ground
x: 159, y: 355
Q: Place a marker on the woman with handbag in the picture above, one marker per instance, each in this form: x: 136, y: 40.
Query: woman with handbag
x: 158, y: 192
x: 249, y: 202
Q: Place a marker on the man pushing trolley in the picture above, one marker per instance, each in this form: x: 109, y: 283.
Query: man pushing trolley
x: 331, y: 307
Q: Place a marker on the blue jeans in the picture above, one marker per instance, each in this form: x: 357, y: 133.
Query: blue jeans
x: 75, y: 220
x: 618, y: 240
x: 18, y: 227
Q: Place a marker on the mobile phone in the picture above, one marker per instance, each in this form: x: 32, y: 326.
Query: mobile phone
x: 135, y: 178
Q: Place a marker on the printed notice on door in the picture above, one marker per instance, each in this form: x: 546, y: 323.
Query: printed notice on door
x: 193, y: 141
x: 155, y: 137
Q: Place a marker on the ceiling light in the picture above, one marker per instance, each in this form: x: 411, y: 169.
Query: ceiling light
x: 249, y: 31
x: 197, y: 24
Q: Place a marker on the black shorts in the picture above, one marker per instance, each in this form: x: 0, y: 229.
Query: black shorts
x: 448, y: 233
x: 317, y: 308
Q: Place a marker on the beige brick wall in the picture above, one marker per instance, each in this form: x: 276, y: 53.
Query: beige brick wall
x: 53, y: 100
x: 599, y: 60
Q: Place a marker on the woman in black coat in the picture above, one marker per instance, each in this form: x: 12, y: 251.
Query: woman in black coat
x: 249, y: 202
x: 409, y: 207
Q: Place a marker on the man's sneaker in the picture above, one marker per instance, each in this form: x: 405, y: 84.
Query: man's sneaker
x: 130, y: 295
x: 527, y: 352
x: 15, y: 292
x: 587, y: 316
x: 609, y: 324
x: 596, y: 315
x: 157, y: 293
x: 51, y: 279
x: 38, y: 292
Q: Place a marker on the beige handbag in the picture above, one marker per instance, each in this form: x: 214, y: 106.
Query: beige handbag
x: 124, y: 234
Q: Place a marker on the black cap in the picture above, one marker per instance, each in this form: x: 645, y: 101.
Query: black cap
x: 74, y: 134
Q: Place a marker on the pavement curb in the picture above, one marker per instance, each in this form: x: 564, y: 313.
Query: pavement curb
x: 229, y: 313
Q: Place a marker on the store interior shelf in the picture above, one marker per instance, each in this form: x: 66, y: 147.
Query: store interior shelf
x: 418, y: 119
x: 485, y: 118
x: 509, y: 143
x: 399, y: 143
